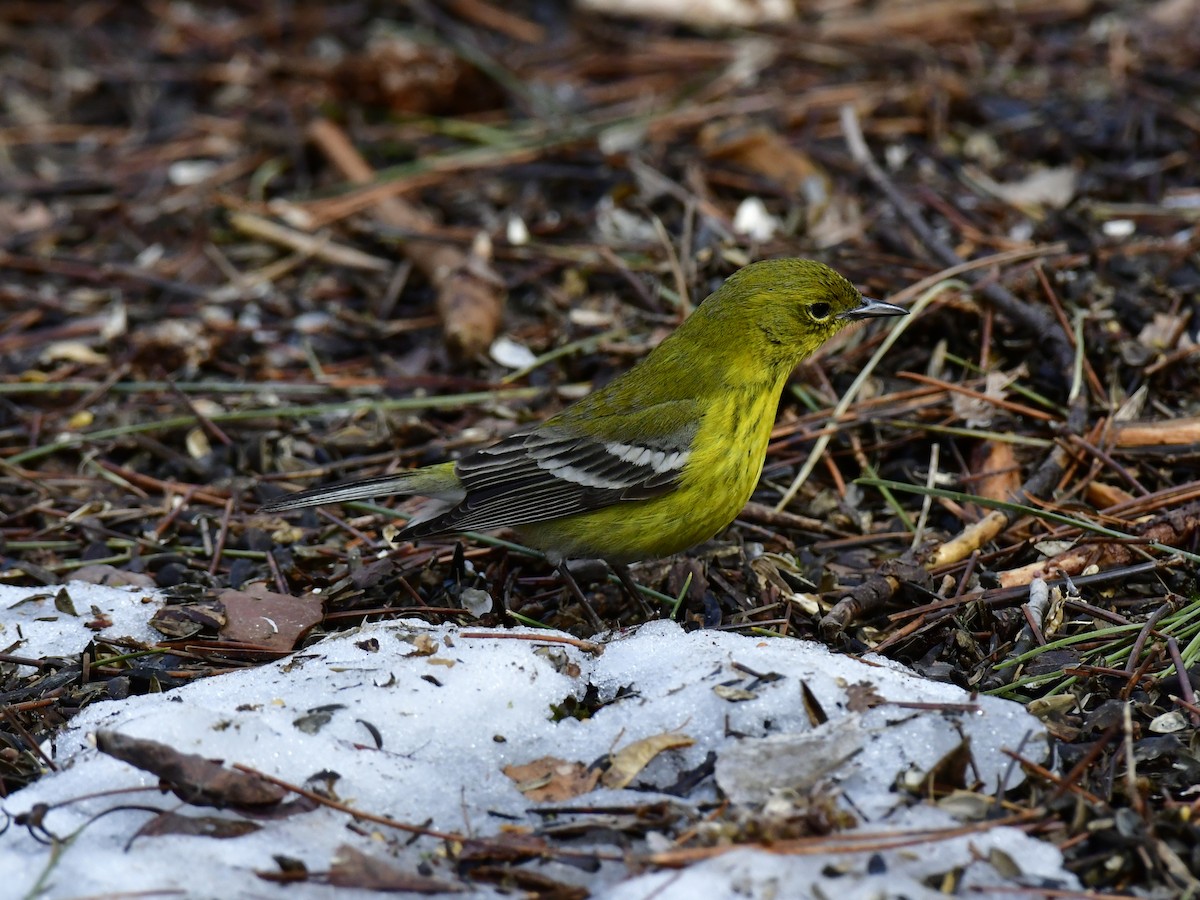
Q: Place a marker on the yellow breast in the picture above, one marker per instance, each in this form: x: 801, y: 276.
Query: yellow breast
x: 726, y: 460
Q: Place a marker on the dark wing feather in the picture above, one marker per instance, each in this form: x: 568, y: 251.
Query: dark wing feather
x: 552, y: 471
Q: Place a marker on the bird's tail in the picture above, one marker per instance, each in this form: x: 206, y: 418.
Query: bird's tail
x: 439, y: 482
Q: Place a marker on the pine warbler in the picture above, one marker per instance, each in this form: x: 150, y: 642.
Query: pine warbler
x: 661, y: 458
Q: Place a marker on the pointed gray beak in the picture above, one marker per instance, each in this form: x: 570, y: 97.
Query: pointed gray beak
x: 869, y: 308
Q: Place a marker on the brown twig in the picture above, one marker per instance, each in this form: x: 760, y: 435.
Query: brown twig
x: 468, y: 297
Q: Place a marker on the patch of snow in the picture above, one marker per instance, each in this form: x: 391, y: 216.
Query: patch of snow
x: 453, y: 707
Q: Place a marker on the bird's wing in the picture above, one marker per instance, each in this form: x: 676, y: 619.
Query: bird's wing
x: 553, y: 471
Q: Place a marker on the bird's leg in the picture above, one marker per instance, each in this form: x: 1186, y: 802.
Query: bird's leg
x: 574, y: 588
x: 631, y: 587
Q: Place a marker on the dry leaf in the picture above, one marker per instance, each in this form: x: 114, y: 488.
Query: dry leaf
x: 72, y: 352
x: 1102, y: 495
x: 862, y: 696
x: 1166, y: 332
x: 732, y: 694
x: 354, y: 869
x: 1053, y: 188
x: 422, y: 644
x: 827, y: 219
x: 267, y: 619
x: 196, y: 826
x: 996, y: 470
x: 953, y: 770
x: 410, y: 76
x: 765, y: 152
x: 552, y: 780
x: 630, y: 760
x: 193, y: 779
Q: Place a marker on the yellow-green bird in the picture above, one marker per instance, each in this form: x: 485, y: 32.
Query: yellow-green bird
x: 661, y: 458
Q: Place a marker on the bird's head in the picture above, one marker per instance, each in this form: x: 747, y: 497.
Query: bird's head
x: 755, y: 327
x: 791, y: 306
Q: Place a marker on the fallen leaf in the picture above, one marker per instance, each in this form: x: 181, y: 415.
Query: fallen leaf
x: 196, y: 826
x: 354, y: 869
x: 552, y: 780
x: 996, y: 470
x: 731, y: 694
x: 193, y: 779
x: 1053, y: 188
x: 627, y: 762
x: 422, y: 644
x: 952, y: 770
x: 181, y: 621
x: 862, y: 696
x: 1102, y: 495
x: 111, y: 576
x: 64, y: 604
x: 73, y: 352
x: 267, y: 619
x: 411, y: 76
x: 1166, y: 331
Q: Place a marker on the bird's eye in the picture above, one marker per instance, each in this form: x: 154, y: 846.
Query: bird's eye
x: 819, y: 311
